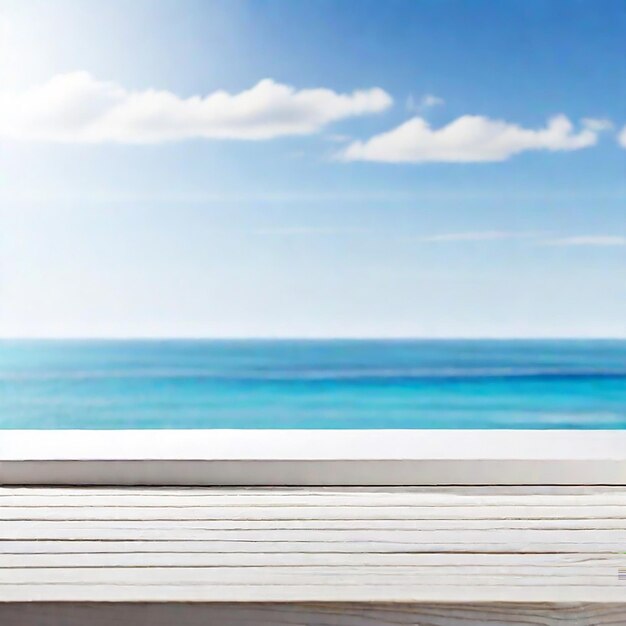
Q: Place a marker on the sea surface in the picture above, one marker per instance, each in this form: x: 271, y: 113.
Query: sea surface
x: 312, y: 384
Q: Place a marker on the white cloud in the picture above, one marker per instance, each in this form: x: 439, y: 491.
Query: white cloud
x: 590, y: 240
x: 76, y: 107
x: 469, y: 138
x: 622, y: 138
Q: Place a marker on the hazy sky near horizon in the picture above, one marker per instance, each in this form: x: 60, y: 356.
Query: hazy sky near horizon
x: 316, y: 168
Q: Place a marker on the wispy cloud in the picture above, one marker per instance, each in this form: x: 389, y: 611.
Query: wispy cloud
x: 430, y: 100
x: 302, y: 231
x: 469, y: 138
x: 482, y: 236
x: 597, y: 124
x: 489, y: 235
x: 425, y: 102
x: 338, y: 138
x: 621, y: 138
x: 76, y: 107
x: 587, y: 240
x: 530, y: 237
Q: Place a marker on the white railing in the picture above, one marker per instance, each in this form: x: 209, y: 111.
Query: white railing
x: 312, y: 457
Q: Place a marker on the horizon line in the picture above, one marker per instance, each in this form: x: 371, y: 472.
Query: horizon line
x: 313, y: 338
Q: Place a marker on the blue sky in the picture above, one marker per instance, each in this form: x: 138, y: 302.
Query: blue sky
x: 399, y: 173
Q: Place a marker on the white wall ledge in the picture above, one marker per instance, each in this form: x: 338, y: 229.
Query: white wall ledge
x: 312, y: 457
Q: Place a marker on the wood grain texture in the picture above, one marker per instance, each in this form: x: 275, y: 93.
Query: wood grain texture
x: 314, y: 545
x: 338, y: 614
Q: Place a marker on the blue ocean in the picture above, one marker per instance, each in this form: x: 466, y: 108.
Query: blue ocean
x: 312, y: 384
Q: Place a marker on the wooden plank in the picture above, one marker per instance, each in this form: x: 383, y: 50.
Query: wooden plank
x: 201, y: 510
x: 193, y: 531
x: 329, y: 560
x: 268, y: 499
x: 246, y: 547
x: 311, y: 593
x: 451, y: 575
x: 288, y: 512
x: 338, y: 614
x: 388, y: 576
x: 403, y: 525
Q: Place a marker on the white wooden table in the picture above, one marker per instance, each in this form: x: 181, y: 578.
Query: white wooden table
x: 323, y: 556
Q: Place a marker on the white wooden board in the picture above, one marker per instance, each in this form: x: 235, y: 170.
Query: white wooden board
x: 556, y: 545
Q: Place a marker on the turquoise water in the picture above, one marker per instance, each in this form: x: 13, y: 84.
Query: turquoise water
x: 312, y: 384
